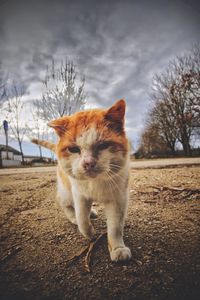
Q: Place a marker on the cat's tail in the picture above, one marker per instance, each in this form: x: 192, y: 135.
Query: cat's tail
x: 45, y: 144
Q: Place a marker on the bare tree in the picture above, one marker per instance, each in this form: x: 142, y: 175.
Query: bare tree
x: 64, y: 92
x: 176, y: 93
x: 164, y: 121
x: 188, y: 68
x: 37, y: 127
x: 16, y: 115
x: 151, y: 142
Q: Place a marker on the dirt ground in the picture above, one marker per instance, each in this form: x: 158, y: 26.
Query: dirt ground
x: 162, y: 230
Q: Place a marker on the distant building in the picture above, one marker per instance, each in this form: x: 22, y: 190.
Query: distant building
x: 13, y: 159
x: 33, y: 158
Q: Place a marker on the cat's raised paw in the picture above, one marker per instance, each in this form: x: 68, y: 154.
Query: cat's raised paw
x: 120, y: 254
x: 88, y: 233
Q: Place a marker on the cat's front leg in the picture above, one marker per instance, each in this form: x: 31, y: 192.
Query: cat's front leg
x: 82, y: 211
x: 115, y: 213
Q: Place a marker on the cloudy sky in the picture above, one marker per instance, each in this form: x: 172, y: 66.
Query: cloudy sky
x: 118, y: 45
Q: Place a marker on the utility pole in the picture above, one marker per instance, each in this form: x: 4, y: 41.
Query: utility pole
x: 5, y: 126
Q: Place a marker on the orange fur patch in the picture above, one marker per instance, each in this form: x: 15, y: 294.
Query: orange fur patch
x: 64, y: 178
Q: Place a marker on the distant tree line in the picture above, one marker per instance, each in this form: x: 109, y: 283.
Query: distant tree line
x: 175, y: 108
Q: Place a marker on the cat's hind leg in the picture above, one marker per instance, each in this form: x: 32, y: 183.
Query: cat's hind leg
x: 68, y: 210
x: 65, y: 199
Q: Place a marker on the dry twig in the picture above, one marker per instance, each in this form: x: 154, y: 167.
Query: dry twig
x: 18, y: 244
x: 176, y: 189
x: 89, y: 252
x: 13, y: 250
x: 150, y: 201
x: 10, y: 253
x: 181, y: 192
x: 77, y: 255
x: 43, y: 218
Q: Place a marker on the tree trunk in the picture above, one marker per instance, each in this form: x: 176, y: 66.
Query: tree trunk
x: 186, y: 147
x: 1, y: 164
x: 185, y: 140
x: 40, y: 149
x: 171, y: 147
x: 52, y: 156
x: 20, y: 146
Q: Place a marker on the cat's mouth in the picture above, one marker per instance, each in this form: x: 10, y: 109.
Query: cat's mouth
x: 93, y: 173
x: 86, y: 174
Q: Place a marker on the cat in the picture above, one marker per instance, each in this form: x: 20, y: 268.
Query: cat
x: 93, y: 165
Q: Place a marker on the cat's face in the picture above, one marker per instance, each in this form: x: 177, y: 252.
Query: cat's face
x: 92, y: 143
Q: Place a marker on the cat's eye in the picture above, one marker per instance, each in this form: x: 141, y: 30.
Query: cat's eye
x: 74, y: 149
x: 103, y: 146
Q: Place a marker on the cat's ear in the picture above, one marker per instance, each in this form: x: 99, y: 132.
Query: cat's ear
x: 115, y: 116
x: 60, y: 125
x: 117, y: 111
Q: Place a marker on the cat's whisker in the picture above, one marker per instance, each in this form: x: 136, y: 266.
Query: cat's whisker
x: 115, y: 170
x: 113, y: 174
x: 108, y: 178
x: 110, y: 183
x: 115, y: 165
x: 111, y: 170
x: 116, y: 178
x: 114, y: 183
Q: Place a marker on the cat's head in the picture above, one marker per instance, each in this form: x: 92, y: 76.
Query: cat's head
x: 92, y: 143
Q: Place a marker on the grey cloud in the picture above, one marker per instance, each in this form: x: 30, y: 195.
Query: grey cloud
x: 118, y: 45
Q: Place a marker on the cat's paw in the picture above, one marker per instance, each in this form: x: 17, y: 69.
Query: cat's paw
x: 120, y: 254
x: 93, y: 214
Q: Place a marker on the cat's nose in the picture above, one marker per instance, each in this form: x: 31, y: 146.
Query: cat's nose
x: 89, y: 163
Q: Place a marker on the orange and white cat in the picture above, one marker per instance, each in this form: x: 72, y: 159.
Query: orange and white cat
x: 93, y: 165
